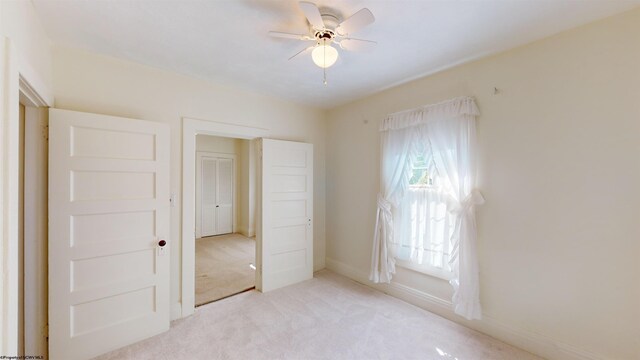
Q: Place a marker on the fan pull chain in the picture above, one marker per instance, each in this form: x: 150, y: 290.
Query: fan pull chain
x: 324, y: 54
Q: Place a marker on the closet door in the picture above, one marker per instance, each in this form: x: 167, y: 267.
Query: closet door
x: 215, y: 196
x: 208, y: 196
x: 224, y: 196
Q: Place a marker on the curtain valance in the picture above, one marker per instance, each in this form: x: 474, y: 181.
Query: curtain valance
x: 452, y: 108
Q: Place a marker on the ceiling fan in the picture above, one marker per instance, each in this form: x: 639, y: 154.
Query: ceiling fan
x: 326, y: 29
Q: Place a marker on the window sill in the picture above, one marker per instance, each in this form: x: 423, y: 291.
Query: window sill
x: 426, y: 270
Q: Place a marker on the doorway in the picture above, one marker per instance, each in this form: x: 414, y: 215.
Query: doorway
x: 190, y: 130
x: 283, y: 207
x: 225, y: 245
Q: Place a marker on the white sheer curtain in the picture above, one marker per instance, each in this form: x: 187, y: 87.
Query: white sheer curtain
x: 396, y: 170
x: 445, y: 133
x: 423, y: 227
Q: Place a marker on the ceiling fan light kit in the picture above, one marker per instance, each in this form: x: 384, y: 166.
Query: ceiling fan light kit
x: 324, y: 55
x: 326, y: 29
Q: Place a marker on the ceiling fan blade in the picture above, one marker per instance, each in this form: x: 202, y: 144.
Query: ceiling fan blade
x: 355, y: 22
x: 312, y: 13
x: 284, y: 35
x: 357, y: 44
x: 302, y: 51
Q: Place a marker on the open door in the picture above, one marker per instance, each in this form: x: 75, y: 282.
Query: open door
x: 108, y: 232
x: 285, y: 228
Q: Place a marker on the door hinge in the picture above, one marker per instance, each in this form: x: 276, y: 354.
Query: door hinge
x: 45, y: 132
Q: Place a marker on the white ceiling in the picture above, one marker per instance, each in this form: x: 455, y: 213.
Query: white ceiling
x: 226, y: 41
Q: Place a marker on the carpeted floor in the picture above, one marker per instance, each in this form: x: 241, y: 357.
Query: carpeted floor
x: 328, y: 317
x: 222, y: 266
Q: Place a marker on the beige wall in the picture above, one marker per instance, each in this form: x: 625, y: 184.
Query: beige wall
x: 217, y: 144
x: 247, y: 187
x: 20, y: 23
x: 559, y: 165
x: 93, y: 83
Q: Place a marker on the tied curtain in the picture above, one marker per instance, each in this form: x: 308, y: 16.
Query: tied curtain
x: 444, y: 133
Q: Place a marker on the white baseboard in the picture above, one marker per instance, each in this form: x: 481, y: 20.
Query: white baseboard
x: 524, y: 339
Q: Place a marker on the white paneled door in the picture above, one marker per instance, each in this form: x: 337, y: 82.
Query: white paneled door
x: 108, y: 228
x: 224, y: 185
x: 285, y: 228
x: 208, y: 201
x: 215, y: 196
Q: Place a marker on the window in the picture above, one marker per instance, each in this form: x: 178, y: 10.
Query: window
x: 421, y: 174
x: 424, y: 222
x: 426, y: 206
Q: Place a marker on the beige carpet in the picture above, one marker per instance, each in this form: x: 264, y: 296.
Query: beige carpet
x: 328, y: 317
x: 222, y: 266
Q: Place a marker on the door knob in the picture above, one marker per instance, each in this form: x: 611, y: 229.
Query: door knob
x: 217, y: 205
x: 162, y: 243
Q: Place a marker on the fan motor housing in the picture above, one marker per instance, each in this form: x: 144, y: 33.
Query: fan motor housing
x: 330, y: 23
x: 324, y: 35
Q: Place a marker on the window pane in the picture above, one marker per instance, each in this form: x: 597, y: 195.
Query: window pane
x: 425, y: 227
x: 420, y: 175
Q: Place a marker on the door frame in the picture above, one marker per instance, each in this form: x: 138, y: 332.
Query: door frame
x: 18, y: 81
x: 190, y: 128
x: 234, y: 198
x: 35, y: 233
